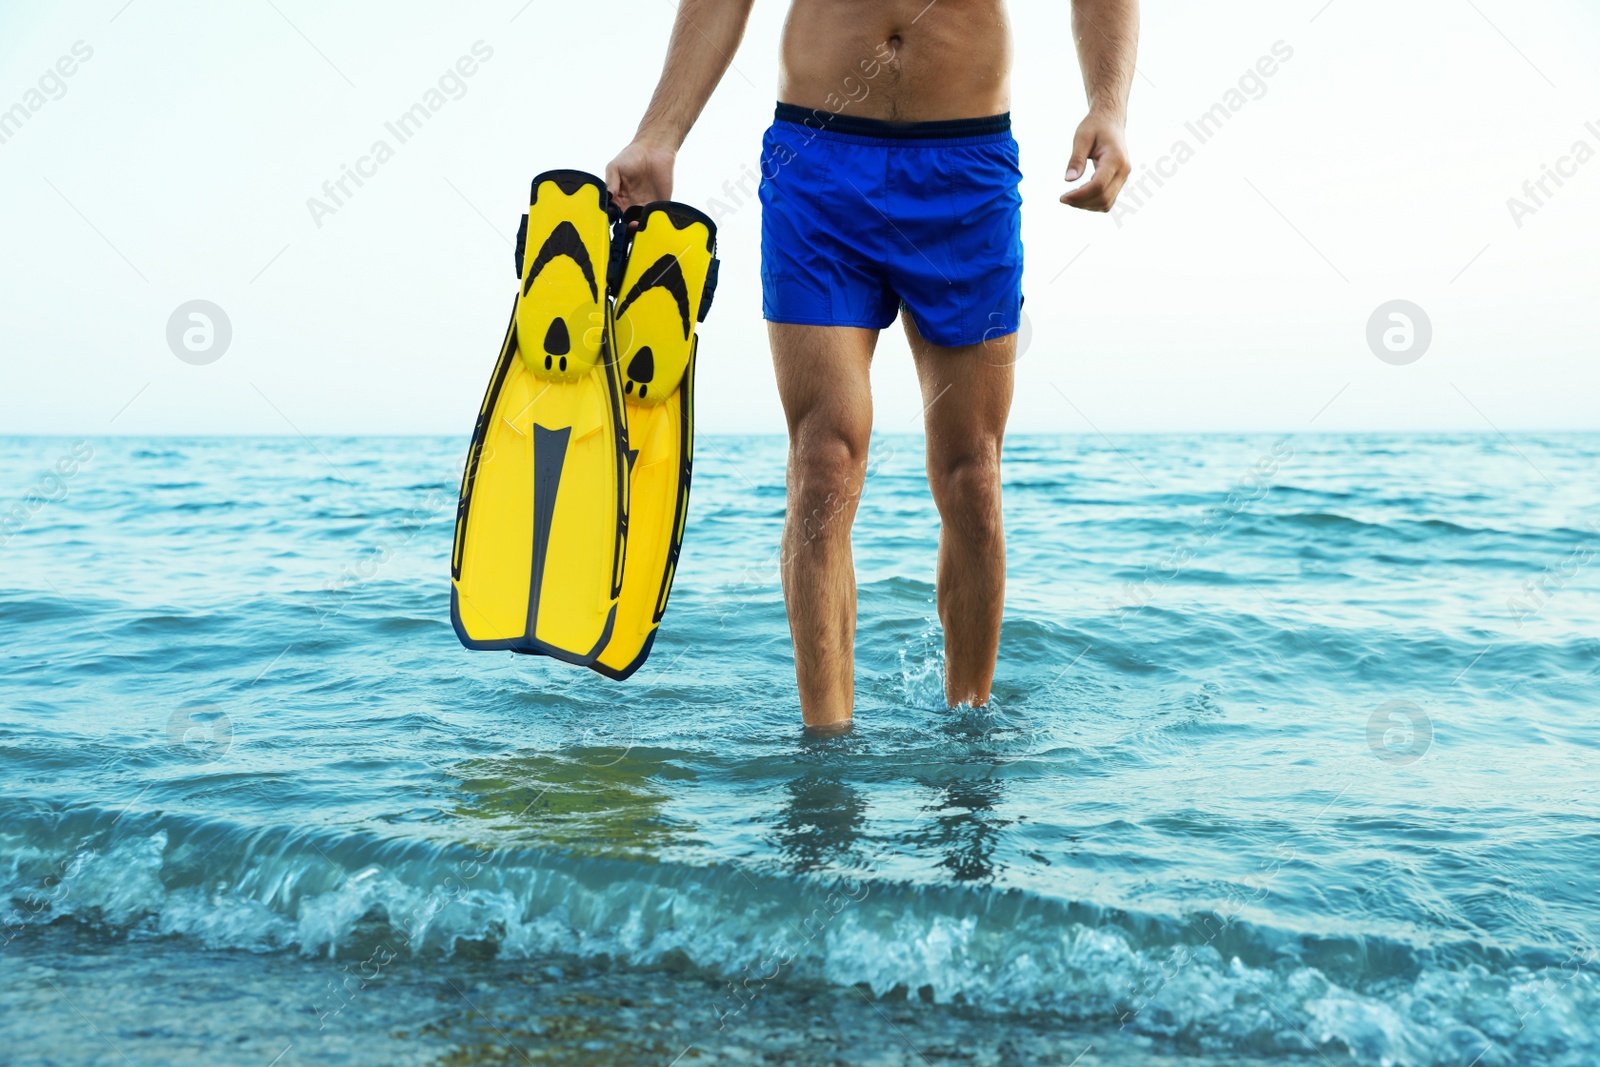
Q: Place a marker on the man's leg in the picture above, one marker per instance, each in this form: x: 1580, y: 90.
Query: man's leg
x: 967, y: 391
x: 827, y: 397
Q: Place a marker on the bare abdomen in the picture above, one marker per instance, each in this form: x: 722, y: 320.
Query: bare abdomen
x: 899, y: 60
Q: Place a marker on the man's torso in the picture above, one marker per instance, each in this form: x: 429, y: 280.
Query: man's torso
x: 897, y: 60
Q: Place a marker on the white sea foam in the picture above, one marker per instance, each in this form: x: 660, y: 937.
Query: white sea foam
x: 1145, y: 973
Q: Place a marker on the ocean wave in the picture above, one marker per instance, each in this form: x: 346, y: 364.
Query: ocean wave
x: 1210, y: 979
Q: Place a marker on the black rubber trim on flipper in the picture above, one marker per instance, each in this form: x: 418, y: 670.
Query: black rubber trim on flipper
x: 665, y: 273
x: 522, y: 243
x: 527, y: 645
x: 680, y: 515
x: 627, y: 672
x: 549, y: 456
x: 480, y: 432
x: 569, y: 182
x: 619, y: 422
x: 564, y: 240
x: 710, y: 289
x: 530, y: 647
x: 682, y: 215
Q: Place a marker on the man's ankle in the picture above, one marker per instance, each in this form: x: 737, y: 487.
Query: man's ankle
x: 827, y: 727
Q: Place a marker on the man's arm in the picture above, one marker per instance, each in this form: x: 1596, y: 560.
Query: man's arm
x: 1108, y: 39
x: 704, y: 38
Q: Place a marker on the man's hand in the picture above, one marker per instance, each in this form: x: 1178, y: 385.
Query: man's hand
x: 1099, y: 138
x: 641, y: 174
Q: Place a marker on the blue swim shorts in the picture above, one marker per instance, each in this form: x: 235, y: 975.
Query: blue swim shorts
x: 860, y: 217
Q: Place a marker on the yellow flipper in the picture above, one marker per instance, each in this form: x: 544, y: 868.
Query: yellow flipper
x: 664, y: 287
x: 541, y: 525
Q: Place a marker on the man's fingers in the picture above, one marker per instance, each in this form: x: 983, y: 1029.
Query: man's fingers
x: 617, y: 185
x: 1091, y: 196
x: 1101, y: 191
x: 1082, y: 144
x: 636, y: 178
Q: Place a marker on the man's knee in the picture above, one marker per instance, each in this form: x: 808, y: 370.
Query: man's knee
x: 966, y: 486
x: 829, y: 464
x: 830, y: 458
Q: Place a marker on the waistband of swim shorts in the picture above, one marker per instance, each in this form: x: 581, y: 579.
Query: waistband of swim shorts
x: 823, y: 122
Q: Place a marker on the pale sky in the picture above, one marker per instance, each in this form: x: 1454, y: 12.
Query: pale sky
x: 1375, y: 163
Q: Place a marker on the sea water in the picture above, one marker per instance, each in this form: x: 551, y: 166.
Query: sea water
x: 1291, y: 757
